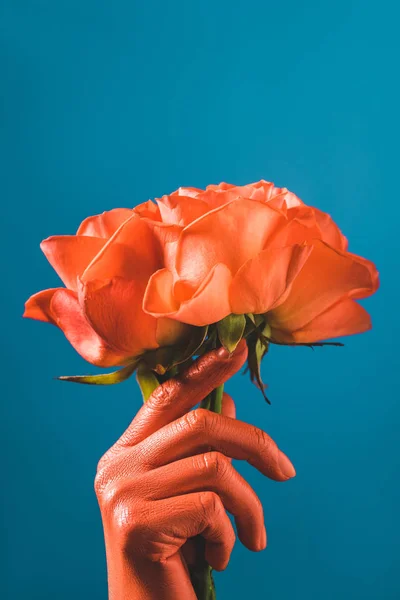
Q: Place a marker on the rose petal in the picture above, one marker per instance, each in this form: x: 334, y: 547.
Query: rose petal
x: 374, y: 274
x: 69, y: 255
x: 169, y: 331
x: 229, y: 235
x: 217, y: 198
x: 208, y: 304
x: 346, y: 317
x: 291, y: 199
x: 261, y: 282
x: 187, y: 191
x: 38, y: 306
x: 278, y: 203
x: 264, y: 191
x: 104, y: 225
x: 114, y: 310
x: 68, y: 316
x: 330, y: 232
x: 220, y: 187
x: 131, y: 253
x: 327, y: 277
x: 167, y: 236
x: 148, y: 210
x: 159, y: 299
x: 304, y: 224
x: 181, y: 210
x: 299, y: 225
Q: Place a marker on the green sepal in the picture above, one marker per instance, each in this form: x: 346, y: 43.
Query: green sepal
x: 211, y: 342
x: 253, y: 322
x: 104, y: 378
x: 164, y: 359
x: 258, y: 347
x: 250, y: 326
x: 230, y: 331
x: 256, y: 319
x: 147, y: 380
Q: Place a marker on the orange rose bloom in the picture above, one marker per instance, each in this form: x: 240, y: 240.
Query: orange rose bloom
x: 259, y: 249
x: 106, y: 267
x: 135, y: 279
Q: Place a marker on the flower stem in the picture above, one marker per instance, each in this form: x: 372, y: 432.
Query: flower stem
x: 216, y: 399
x: 201, y: 572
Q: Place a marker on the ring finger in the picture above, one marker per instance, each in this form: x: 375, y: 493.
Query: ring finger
x: 214, y: 472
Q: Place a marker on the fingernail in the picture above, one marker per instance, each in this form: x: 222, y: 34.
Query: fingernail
x: 285, y: 465
x: 263, y: 539
x: 222, y: 353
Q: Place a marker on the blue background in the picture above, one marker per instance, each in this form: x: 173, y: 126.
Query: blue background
x: 107, y: 104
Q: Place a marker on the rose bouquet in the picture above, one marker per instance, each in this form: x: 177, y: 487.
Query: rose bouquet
x: 148, y: 289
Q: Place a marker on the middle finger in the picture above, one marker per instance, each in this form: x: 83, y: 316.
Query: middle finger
x: 201, y: 430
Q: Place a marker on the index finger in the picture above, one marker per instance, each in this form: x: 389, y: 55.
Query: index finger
x: 175, y: 397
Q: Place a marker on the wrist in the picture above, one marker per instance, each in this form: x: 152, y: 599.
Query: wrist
x: 134, y: 577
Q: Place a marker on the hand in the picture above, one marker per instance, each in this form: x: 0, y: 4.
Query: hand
x: 170, y: 478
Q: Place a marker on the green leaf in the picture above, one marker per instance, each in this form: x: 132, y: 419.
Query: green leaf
x: 230, y: 331
x: 210, y: 343
x: 256, y: 319
x: 258, y: 347
x: 104, y: 378
x: 250, y: 325
x: 163, y: 359
x: 147, y: 380
x: 253, y: 322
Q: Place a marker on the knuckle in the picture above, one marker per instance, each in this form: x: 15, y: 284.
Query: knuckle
x: 212, y: 464
x: 161, y: 397
x: 209, y: 365
x: 195, y: 371
x: 123, y: 508
x: 110, y: 497
x: 113, y: 490
x: 100, y: 479
x: 211, y: 504
x: 102, y: 462
x: 217, y: 463
x: 196, y: 420
x: 262, y: 439
x: 127, y: 518
x: 105, y: 467
x: 125, y: 525
x: 114, y: 468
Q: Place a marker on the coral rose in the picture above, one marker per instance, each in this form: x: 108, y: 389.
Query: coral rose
x: 106, y: 267
x: 258, y: 249
x: 137, y: 278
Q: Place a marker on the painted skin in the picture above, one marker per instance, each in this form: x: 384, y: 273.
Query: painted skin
x: 169, y: 478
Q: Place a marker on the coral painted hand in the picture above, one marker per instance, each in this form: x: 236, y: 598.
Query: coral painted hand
x: 148, y: 289
x: 169, y: 478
